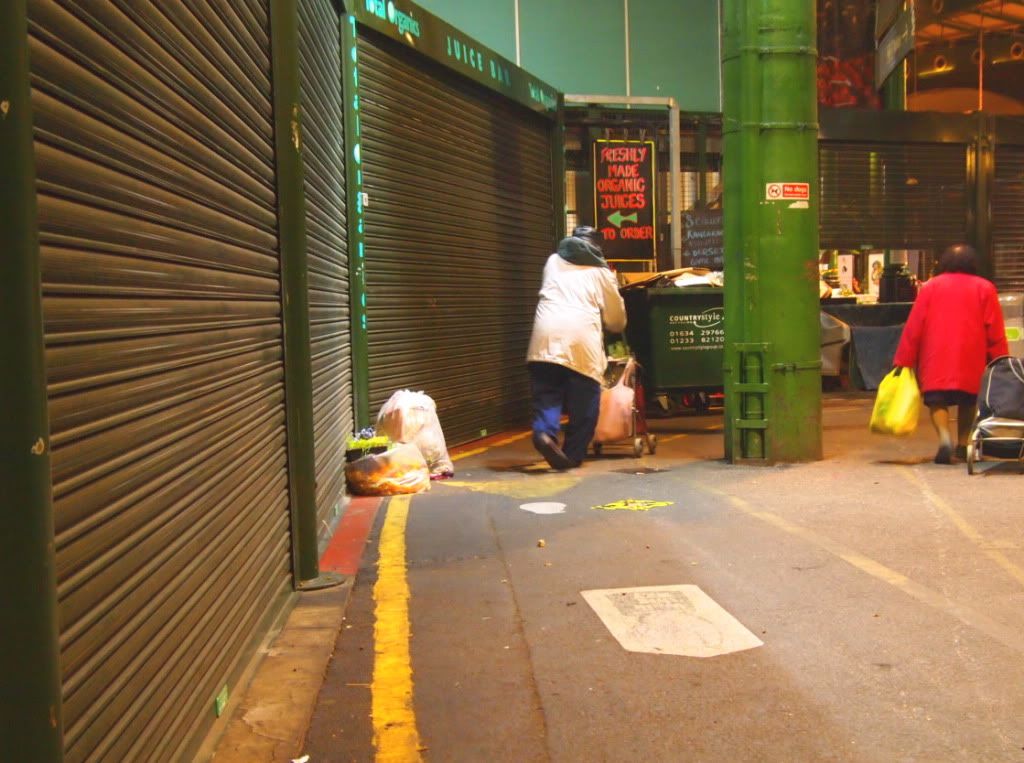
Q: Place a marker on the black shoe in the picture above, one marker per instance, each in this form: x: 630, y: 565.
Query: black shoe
x: 944, y: 455
x: 961, y: 452
x: 548, y: 448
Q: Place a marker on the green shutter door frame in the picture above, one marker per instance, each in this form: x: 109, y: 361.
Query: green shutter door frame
x: 893, y: 195
x: 1007, y: 219
x: 327, y: 248
x: 459, y: 222
x: 161, y: 288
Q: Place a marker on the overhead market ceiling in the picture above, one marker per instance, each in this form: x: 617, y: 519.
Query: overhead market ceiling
x: 948, y: 20
x: 965, y: 46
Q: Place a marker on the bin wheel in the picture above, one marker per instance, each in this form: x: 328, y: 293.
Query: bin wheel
x: 638, y: 447
x: 652, y: 443
x: 598, y: 447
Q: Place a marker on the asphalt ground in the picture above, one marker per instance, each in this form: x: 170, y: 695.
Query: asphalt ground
x: 887, y: 592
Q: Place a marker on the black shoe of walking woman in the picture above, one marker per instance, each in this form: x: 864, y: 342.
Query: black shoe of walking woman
x: 548, y: 448
x: 944, y: 455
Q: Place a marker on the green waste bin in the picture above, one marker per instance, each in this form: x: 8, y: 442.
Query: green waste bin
x: 677, y: 335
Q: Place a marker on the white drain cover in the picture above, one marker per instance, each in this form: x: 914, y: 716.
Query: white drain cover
x: 544, y: 508
x: 674, y: 619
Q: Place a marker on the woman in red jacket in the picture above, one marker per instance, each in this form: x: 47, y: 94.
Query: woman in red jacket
x: 954, y: 329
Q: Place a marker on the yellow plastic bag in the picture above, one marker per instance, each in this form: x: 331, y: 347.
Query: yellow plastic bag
x: 399, y: 470
x: 897, y: 405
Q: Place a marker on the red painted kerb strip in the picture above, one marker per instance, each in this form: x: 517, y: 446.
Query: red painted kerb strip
x: 345, y: 550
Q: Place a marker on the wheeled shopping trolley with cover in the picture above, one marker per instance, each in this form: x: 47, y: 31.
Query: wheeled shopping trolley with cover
x: 998, y: 429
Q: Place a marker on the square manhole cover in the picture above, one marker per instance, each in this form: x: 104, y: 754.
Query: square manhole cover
x: 675, y: 619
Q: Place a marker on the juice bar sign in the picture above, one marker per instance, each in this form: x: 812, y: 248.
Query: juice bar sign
x: 624, y: 197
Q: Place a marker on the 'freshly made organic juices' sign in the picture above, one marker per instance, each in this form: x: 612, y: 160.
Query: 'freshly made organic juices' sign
x: 624, y: 197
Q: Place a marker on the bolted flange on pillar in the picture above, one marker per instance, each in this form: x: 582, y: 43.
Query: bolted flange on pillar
x: 772, y: 365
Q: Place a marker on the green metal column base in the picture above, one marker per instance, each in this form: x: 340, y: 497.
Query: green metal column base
x: 747, y: 387
x: 324, y: 580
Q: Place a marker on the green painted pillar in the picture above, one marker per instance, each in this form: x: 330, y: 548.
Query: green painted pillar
x: 356, y: 222
x: 558, y: 171
x: 702, y: 162
x: 894, y: 90
x: 772, y: 366
x: 894, y: 98
x: 30, y: 682
x: 982, y: 172
x: 291, y: 210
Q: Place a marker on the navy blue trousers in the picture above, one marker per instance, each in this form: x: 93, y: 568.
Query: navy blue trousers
x: 555, y: 388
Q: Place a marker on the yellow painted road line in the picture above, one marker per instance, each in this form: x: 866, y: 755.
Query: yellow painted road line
x: 1009, y: 637
x: 495, y: 444
x: 965, y: 527
x: 394, y: 722
x: 511, y: 439
x: 670, y: 438
x: 468, y: 453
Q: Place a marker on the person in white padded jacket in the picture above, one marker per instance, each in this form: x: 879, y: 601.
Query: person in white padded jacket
x: 566, y: 356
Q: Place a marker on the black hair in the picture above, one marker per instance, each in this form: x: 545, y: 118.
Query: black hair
x: 958, y: 258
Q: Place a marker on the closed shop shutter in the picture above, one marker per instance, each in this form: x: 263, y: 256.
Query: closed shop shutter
x: 892, y: 195
x: 1008, y: 219
x: 327, y: 247
x: 158, y: 233
x: 459, y: 223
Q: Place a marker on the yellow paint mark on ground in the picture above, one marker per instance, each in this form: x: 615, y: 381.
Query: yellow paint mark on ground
x: 632, y: 504
x: 394, y: 722
x: 1009, y: 637
x: 990, y: 549
x: 540, y: 486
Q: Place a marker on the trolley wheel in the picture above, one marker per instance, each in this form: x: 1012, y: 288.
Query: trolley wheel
x: 638, y: 447
x: 598, y: 447
x: 652, y: 443
x: 973, y: 453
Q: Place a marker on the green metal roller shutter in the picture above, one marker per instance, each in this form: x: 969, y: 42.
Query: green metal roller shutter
x: 154, y: 150
x: 892, y: 195
x: 459, y: 223
x: 1008, y: 219
x: 327, y: 246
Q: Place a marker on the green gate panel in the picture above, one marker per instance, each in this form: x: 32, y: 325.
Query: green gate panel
x: 327, y: 247
x: 161, y: 289
x: 1008, y: 219
x: 459, y: 223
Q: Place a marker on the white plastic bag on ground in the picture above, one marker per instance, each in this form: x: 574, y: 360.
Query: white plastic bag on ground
x: 615, y: 420
x: 411, y: 417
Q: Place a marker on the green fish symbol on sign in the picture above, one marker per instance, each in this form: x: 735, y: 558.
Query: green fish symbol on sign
x: 616, y: 218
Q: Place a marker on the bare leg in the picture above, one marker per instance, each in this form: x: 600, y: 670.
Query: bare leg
x: 964, y: 419
x: 940, y: 420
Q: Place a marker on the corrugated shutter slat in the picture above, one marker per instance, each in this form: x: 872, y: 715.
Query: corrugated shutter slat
x: 161, y: 302
x: 1008, y: 219
x: 459, y: 224
x: 892, y: 195
x: 327, y: 247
